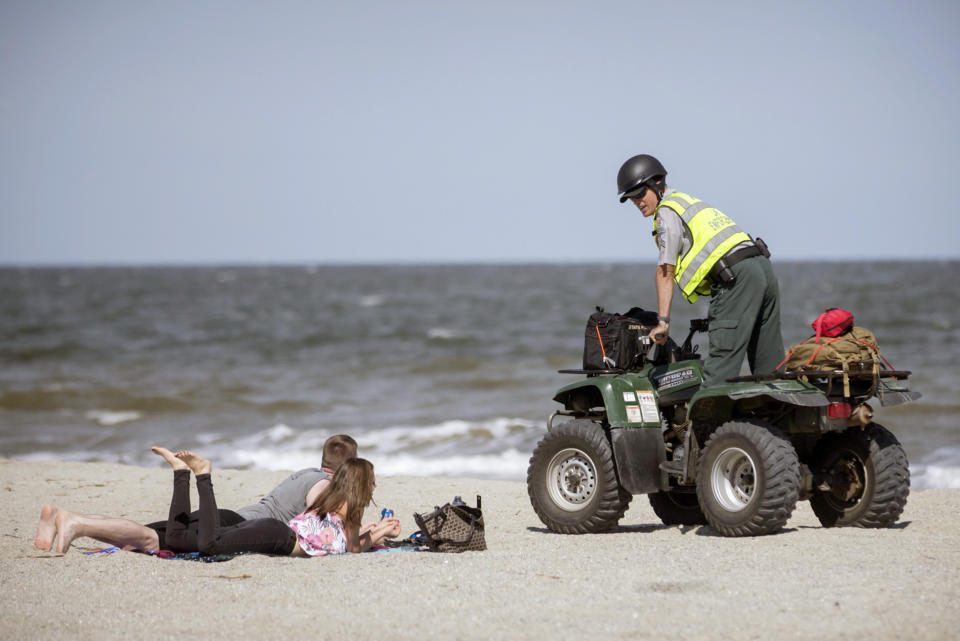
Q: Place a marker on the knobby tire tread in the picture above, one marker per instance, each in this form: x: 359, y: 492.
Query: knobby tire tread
x: 891, y: 478
x: 782, y: 479
x: 612, y: 504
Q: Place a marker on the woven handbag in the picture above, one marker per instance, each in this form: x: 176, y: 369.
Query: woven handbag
x: 454, y: 527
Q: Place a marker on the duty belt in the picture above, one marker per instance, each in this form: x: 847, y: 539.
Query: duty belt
x: 721, y: 272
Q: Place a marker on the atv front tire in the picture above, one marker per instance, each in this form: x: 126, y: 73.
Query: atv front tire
x: 868, y: 476
x: 748, y: 479
x: 677, y: 508
x: 572, y: 480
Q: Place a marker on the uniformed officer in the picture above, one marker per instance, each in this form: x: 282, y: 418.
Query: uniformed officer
x: 706, y: 253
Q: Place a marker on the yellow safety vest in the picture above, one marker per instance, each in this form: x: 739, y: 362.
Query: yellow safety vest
x: 714, y: 234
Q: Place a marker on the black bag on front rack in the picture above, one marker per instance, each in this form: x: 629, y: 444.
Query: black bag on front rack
x: 611, y: 341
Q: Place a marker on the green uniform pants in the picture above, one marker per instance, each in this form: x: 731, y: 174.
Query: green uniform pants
x: 744, y: 318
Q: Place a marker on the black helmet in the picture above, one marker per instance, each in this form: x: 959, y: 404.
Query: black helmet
x: 637, y: 171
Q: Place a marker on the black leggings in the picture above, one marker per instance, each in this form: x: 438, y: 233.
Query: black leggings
x: 213, y: 531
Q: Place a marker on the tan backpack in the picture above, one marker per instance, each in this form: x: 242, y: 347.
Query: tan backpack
x: 857, y: 350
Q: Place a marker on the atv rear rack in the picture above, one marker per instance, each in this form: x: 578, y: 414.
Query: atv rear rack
x: 858, y: 373
x: 844, y: 373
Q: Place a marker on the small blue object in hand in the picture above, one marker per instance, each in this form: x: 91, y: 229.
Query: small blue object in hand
x: 386, y: 513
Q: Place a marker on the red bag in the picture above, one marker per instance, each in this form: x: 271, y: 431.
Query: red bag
x: 832, y: 322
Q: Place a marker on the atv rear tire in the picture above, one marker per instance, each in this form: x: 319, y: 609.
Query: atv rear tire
x: 677, y: 508
x: 869, y: 478
x: 572, y: 480
x: 748, y: 479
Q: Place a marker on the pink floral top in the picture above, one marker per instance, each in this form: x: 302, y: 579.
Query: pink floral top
x: 319, y: 536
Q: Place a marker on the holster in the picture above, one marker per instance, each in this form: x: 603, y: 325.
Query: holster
x: 721, y: 271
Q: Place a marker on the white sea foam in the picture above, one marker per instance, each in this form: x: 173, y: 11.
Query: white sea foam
x: 496, y: 448
x: 108, y: 418
x: 279, y: 432
x: 925, y: 477
x: 207, y: 438
x: 936, y: 470
x: 399, y: 436
x: 509, y: 465
x: 373, y: 300
x: 442, y: 333
x: 273, y: 459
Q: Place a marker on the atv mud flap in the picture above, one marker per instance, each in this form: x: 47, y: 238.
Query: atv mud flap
x: 638, y: 452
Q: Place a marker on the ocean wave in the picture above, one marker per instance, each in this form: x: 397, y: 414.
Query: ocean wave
x: 282, y: 448
x: 926, y: 477
x: 28, y: 354
x: 108, y: 418
x: 59, y: 398
x: 509, y: 465
x: 373, y: 300
x: 444, y: 334
x: 496, y: 448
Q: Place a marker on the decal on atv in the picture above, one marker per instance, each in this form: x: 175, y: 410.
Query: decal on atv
x: 648, y: 407
x: 675, y: 378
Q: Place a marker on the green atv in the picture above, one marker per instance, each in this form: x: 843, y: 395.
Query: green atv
x: 736, y: 456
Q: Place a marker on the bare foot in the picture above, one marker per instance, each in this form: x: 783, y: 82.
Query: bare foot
x: 197, y: 463
x: 66, y: 530
x: 170, y: 458
x: 47, y: 528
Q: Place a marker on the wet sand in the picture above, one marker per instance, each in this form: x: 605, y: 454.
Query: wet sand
x: 641, y: 581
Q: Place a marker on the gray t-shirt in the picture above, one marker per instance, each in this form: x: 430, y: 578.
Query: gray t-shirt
x: 287, y: 499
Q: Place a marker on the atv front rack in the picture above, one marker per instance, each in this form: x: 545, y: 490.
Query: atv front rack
x: 591, y: 372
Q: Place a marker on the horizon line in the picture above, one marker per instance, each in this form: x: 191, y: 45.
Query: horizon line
x: 416, y: 263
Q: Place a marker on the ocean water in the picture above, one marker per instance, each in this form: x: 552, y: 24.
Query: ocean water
x: 435, y: 370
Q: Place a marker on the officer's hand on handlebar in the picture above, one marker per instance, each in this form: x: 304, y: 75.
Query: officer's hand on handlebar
x: 660, y: 333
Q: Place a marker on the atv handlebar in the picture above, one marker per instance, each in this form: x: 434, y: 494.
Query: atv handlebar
x: 696, y: 325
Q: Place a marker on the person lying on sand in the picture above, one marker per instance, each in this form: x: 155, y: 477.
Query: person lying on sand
x: 291, y: 497
x: 299, y: 490
x: 331, y: 524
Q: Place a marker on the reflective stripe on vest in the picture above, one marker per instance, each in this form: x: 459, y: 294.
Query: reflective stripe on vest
x: 714, y: 234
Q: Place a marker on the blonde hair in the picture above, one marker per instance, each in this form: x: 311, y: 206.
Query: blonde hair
x: 351, y: 485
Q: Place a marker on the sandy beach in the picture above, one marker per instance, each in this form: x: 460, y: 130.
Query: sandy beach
x: 641, y: 581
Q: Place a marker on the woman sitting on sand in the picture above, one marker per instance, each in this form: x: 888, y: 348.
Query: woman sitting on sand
x: 331, y: 525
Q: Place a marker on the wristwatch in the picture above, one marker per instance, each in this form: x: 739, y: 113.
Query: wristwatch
x: 663, y: 319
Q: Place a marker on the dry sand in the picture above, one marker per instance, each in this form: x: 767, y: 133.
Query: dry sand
x: 642, y: 581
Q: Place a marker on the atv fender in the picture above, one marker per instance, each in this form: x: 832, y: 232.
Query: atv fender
x: 608, y: 392
x: 638, y: 447
x: 719, y: 400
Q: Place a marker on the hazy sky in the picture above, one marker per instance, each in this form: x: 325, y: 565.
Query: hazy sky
x: 155, y: 132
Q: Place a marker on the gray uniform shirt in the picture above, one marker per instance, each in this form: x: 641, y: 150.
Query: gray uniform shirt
x: 287, y: 499
x: 673, y: 236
